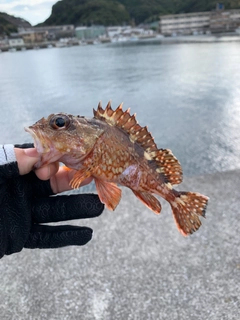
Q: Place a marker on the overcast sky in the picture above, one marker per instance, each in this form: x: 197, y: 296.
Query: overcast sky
x: 34, y: 11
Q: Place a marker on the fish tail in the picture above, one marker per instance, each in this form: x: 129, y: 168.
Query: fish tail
x: 187, y: 207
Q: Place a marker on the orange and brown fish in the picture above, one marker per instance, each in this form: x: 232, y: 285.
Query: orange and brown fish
x: 114, y: 149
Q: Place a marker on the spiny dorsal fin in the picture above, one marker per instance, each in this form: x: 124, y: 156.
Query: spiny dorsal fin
x: 106, y: 114
x: 166, y: 163
x: 128, y: 123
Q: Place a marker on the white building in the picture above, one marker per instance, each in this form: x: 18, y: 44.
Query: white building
x: 15, y: 42
x: 219, y: 20
x: 186, y: 23
x: 115, y: 31
x: 226, y: 20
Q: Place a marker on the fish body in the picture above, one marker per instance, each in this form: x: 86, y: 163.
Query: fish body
x: 114, y: 149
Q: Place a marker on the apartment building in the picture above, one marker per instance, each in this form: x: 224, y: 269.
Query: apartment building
x: 200, y: 22
x: 186, y: 23
x: 228, y: 20
x: 51, y: 32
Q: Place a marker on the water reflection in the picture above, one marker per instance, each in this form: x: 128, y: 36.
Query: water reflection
x: 187, y: 94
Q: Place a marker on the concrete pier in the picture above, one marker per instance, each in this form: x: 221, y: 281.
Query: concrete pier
x: 138, y: 266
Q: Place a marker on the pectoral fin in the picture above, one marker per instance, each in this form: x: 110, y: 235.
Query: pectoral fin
x: 66, y: 168
x: 109, y: 193
x: 149, y: 200
x: 79, y: 177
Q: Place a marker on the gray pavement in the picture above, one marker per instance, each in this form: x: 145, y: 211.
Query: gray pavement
x: 138, y: 266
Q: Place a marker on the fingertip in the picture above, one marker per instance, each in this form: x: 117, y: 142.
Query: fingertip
x: 45, y: 237
x: 46, y: 172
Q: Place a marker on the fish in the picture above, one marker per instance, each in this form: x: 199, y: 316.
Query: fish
x: 115, y: 150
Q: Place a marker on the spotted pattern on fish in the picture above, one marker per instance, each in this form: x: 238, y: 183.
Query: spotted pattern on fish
x: 114, y: 149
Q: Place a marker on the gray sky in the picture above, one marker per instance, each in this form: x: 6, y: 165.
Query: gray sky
x: 34, y: 11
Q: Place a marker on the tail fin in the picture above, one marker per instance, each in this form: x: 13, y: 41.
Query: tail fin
x: 187, y: 208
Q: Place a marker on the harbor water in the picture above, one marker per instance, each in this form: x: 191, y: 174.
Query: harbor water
x: 137, y: 266
x: 187, y: 94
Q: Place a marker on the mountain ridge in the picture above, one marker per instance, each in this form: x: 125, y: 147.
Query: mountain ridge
x: 10, y: 24
x: 112, y: 12
x: 115, y: 12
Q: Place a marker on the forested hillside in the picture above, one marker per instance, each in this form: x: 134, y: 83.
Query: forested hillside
x: 113, y: 12
x: 10, y: 23
x: 87, y: 12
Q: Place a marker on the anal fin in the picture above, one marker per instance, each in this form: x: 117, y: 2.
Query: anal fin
x: 149, y: 200
x: 109, y: 193
x: 79, y: 177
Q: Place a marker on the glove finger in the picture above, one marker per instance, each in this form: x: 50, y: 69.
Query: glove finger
x: 46, y: 237
x: 39, y: 187
x: 62, y: 208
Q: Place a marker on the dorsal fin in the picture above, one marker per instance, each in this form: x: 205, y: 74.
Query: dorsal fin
x: 128, y: 123
x: 166, y: 163
x: 106, y: 114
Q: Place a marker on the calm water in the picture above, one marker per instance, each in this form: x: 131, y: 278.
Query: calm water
x: 187, y: 94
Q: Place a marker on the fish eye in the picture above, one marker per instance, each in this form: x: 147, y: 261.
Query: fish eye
x: 60, y: 122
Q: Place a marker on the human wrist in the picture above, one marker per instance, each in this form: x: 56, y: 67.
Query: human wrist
x: 7, y: 154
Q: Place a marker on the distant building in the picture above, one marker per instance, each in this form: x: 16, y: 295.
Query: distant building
x: 115, y: 31
x: 52, y: 32
x: 15, y: 41
x: 186, y: 23
x: 90, y: 33
x: 218, y: 20
x: 32, y: 36
x: 222, y: 20
x: 81, y: 32
x: 3, y: 42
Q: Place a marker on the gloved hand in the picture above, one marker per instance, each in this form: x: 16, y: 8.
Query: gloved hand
x: 26, y: 202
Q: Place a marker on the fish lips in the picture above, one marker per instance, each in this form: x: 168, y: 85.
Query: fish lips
x: 39, y: 141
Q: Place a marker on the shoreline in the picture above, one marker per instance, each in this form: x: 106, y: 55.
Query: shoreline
x: 158, y: 40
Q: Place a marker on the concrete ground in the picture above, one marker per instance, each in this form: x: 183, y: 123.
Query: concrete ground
x: 138, y: 266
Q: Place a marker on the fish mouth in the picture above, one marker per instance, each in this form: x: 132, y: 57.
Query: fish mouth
x: 45, y: 148
x: 40, y: 141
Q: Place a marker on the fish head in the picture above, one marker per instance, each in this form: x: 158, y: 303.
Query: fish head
x: 63, y: 137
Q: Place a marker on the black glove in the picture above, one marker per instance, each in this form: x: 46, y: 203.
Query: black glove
x: 26, y: 202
